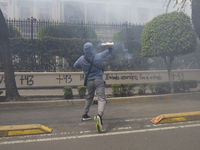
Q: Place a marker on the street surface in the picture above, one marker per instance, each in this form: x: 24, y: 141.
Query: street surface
x: 126, y: 126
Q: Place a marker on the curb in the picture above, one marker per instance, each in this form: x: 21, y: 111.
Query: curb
x: 23, y: 130
x: 57, y: 103
x: 176, y: 117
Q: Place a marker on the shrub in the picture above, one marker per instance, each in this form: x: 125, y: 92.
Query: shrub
x: 44, y: 52
x: 1, y: 92
x: 82, y: 91
x: 13, y: 31
x: 179, y: 86
x: 122, y: 89
x: 140, y: 92
x: 67, y: 31
x: 115, y: 89
x: 183, y: 85
x: 152, y: 88
x: 176, y: 86
x: 142, y: 89
x: 68, y: 93
x: 162, y: 88
x: 130, y: 88
x: 188, y: 84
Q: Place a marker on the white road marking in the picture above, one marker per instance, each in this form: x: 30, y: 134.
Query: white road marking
x: 98, y: 135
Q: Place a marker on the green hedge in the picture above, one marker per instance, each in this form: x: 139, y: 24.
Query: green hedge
x: 45, y: 49
x: 82, y: 91
x: 67, y: 31
x: 44, y: 52
x: 13, y: 31
x: 122, y: 89
x: 142, y: 89
x: 132, y: 33
x: 182, y: 86
x: 68, y: 93
x: 179, y: 86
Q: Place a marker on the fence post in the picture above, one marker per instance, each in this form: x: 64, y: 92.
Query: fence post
x: 32, y: 19
x: 126, y: 24
x: 82, y: 35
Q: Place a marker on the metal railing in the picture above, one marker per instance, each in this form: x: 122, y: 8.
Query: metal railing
x: 29, y: 29
x: 105, y: 31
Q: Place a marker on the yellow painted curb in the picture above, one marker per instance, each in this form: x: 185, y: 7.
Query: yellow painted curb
x: 23, y: 129
x: 167, y: 118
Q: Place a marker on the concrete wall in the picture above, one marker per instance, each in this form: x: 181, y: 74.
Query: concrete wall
x: 74, y: 79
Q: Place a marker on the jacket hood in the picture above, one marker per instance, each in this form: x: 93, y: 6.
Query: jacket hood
x: 88, y: 50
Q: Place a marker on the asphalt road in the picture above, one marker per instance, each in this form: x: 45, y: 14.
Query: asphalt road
x: 126, y: 126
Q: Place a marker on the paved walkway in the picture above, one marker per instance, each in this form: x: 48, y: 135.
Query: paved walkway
x: 59, y: 92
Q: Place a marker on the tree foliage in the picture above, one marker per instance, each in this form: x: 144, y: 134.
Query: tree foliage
x: 195, y: 5
x: 168, y: 34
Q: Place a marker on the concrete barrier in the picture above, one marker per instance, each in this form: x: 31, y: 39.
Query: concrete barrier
x: 27, y: 129
x: 38, y: 80
x: 176, y: 117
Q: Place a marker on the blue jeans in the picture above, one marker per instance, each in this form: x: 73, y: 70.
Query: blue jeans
x: 97, y: 85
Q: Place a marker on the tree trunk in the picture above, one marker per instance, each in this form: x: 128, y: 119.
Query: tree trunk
x: 196, y: 16
x: 169, y: 69
x: 12, y: 93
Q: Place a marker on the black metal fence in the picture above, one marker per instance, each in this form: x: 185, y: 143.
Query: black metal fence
x: 105, y: 31
x: 29, y: 29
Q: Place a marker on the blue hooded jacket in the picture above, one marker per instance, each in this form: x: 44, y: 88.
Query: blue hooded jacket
x: 81, y: 63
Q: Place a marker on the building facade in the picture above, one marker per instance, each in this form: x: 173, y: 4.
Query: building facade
x: 112, y: 11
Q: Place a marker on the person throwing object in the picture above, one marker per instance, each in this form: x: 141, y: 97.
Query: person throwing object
x: 93, y: 63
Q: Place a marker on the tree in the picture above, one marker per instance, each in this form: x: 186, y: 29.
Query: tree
x: 169, y: 35
x: 195, y: 12
x: 10, y: 84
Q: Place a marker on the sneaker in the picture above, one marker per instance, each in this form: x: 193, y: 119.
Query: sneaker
x: 85, y: 117
x: 98, y: 121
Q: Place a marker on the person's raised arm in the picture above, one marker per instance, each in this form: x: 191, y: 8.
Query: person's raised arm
x: 106, y: 52
x: 77, y: 64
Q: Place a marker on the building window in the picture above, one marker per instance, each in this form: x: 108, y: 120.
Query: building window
x: 25, y: 13
x: 73, y: 11
x: 44, y: 13
x: 118, y: 13
x: 96, y: 12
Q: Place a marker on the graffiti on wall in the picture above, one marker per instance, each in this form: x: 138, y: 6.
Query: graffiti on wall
x: 29, y: 80
x: 65, y: 78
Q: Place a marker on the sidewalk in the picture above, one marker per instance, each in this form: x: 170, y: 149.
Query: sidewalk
x: 59, y: 92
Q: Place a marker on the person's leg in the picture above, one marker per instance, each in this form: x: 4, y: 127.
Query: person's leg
x: 91, y: 90
x: 100, y: 91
